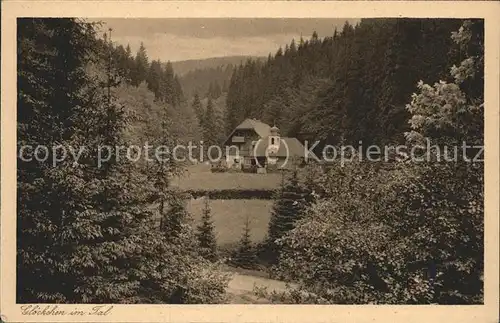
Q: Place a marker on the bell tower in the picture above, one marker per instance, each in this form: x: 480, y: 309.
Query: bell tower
x: 273, y: 145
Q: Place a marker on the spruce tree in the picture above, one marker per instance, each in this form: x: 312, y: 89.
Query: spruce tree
x: 289, y: 206
x: 154, y: 78
x: 206, y: 233
x: 197, y: 107
x: 179, y: 95
x: 209, y: 125
x: 141, y: 66
x: 85, y: 230
x: 129, y: 65
x: 168, y: 84
x: 174, y: 219
x: 245, y: 255
x: 89, y: 210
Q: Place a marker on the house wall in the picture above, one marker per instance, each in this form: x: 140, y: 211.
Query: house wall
x: 244, y: 149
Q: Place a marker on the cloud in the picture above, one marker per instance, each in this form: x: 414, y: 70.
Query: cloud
x: 177, y: 39
x: 223, y: 27
x: 169, y: 47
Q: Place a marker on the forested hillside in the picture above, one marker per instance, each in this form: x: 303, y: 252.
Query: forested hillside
x: 184, y: 67
x: 208, y: 81
x: 348, y: 87
x: 86, y: 231
x: 389, y: 232
x: 117, y: 230
x: 151, y: 91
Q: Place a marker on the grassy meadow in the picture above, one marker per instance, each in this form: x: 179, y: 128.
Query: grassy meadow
x: 229, y: 218
x: 230, y: 215
x: 200, y: 177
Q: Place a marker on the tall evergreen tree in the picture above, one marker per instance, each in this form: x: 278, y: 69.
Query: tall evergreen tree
x: 368, y: 80
x: 174, y: 219
x: 289, y: 206
x: 179, y: 95
x: 206, y: 233
x: 245, y: 255
x: 197, y: 107
x: 85, y: 232
x: 82, y: 212
x: 154, y: 78
x: 209, y: 125
x: 168, y: 84
x: 128, y: 64
x: 141, y: 66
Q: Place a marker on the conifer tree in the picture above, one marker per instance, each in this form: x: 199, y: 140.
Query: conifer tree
x: 168, y: 84
x: 141, y: 66
x: 289, y: 206
x: 370, y: 70
x: 206, y: 233
x: 85, y: 231
x: 175, y: 219
x: 179, y: 95
x: 245, y: 255
x: 154, y: 78
x: 214, y: 90
x: 197, y: 107
x: 209, y: 125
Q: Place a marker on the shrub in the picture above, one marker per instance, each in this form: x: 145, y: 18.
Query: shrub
x: 407, y: 232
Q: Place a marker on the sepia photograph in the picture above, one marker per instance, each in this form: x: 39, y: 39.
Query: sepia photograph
x: 240, y: 160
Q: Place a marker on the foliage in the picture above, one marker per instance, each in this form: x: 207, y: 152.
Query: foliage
x: 233, y: 194
x: 209, y: 125
x: 291, y: 201
x: 196, y: 76
x: 159, y: 77
x: 401, y: 232
x: 140, y: 69
x: 451, y: 113
x: 152, y: 119
x: 197, y: 107
x: 350, y: 86
x: 214, y: 90
x: 237, y: 211
x: 86, y: 228
x: 245, y: 254
x: 206, y: 234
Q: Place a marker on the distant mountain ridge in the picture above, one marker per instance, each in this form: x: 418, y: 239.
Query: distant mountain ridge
x: 183, y: 67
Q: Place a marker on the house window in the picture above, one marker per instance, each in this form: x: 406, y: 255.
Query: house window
x: 272, y: 141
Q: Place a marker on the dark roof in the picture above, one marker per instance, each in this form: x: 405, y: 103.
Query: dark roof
x: 259, y: 127
x: 288, y: 147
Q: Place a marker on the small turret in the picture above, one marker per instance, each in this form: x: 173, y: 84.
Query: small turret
x: 273, y: 144
x: 275, y: 131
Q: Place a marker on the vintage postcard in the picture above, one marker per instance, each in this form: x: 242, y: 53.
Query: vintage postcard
x: 220, y: 161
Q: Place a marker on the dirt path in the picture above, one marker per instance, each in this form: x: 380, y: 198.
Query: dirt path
x: 240, y: 289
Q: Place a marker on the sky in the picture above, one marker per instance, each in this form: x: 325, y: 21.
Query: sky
x: 177, y: 39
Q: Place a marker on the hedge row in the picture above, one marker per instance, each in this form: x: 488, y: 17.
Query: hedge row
x: 233, y: 194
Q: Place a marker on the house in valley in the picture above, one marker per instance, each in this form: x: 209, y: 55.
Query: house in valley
x: 257, y: 146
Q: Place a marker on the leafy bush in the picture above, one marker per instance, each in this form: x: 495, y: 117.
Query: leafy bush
x: 86, y: 233
x: 402, y: 232
x: 233, y: 194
